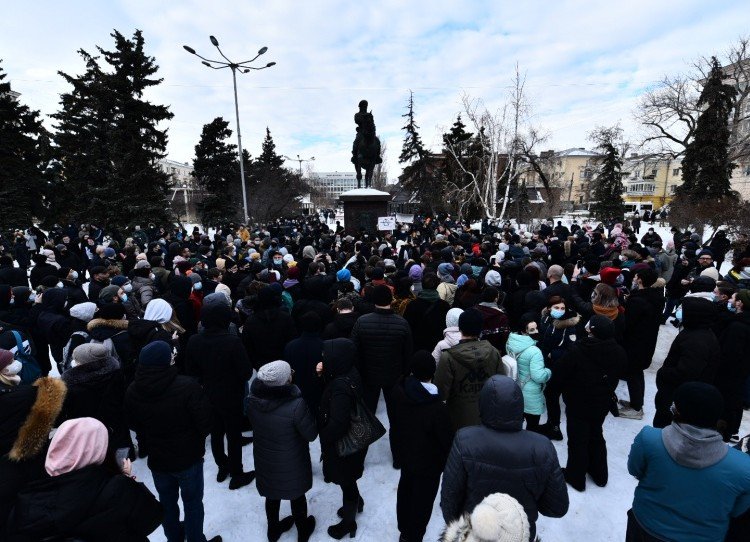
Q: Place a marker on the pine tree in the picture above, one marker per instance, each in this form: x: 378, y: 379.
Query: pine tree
x: 412, y: 147
x: 22, y: 185
x: 418, y: 175
x: 706, y: 168
x: 273, y: 190
x: 109, y: 138
x: 608, y: 204
x: 215, y: 170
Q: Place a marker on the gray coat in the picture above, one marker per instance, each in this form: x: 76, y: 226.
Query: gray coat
x: 282, y: 428
x: 500, y: 457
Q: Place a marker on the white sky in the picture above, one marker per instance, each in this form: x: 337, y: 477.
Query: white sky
x: 585, y: 62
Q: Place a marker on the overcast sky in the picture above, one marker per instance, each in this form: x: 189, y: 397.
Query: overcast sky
x: 585, y: 63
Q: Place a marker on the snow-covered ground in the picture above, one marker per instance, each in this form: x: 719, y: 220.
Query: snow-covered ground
x: 598, y: 514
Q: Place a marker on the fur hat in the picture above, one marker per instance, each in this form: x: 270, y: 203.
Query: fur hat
x: 498, y: 518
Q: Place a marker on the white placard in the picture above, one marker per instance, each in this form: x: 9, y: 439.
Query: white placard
x: 386, y: 223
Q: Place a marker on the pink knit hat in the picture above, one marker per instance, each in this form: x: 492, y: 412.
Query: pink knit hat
x: 77, y: 443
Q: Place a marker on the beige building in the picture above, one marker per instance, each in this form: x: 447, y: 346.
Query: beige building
x: 570, y: 173
x: 183, y: 188
x: 650, y: 181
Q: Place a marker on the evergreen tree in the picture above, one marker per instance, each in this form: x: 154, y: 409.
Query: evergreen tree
x: 215, y: 170
x: 109, y: 139
x: 706, y: 168
x: 273, y: 190
x: 412, y: 147
x: 608, y: 204
x: 22, y: 163
x: 419, y: 176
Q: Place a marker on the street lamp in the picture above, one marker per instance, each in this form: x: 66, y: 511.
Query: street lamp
x: 300, y: 160
x: 243, y: 67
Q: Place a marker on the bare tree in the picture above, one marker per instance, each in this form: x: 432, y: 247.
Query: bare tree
x: 380, y: 174
x: 496, y: 153
x: 668, y: 112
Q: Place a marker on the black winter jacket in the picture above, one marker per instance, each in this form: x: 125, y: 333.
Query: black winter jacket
x: 423, y: 433
x: 589, y: 373
x: 694, y: 354
x: 500, y: 457
x: 341, y: 327
x: 343, y: 385
x: 427, y: 321
x: 14, y: 276
x: 303, y: 354
x: 384, y: 345
x: 51, y: 327
x: 734, y: 367
x: 90, y: 504
x: 643, y: 312
x: 171, y: 416
x: 265, y: 334
x: 282, y: 428
x: 38, y: 272
x: 97, y: 390
x: 218, y: 359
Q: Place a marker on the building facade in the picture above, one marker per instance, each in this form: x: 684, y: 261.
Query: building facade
x: 650, y: 181
x: 330, y: 185
x: 183, y: 187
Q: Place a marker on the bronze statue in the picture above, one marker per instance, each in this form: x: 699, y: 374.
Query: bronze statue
x: 366, y: 147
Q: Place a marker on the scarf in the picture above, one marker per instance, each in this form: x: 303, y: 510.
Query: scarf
x: 288, y: 283
x: 609, y: 312
x: 8, y: 380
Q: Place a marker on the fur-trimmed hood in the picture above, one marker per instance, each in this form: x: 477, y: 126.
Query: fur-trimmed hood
x: 103, y: 322
x: 34, y: 433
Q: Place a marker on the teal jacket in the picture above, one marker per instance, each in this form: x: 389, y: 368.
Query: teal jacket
x: 532, y: 374
x: 690, y: 493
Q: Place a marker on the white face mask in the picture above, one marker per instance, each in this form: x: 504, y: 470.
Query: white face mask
x: 74, y: 275
x: 13, y: 369
x: 152, y: 276
x: 127, y: 288
x: 59, y: 284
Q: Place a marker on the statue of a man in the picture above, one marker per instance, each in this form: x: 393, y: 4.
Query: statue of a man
x: 366, y: 146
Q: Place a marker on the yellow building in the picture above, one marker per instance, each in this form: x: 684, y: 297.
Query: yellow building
x: 650, y: 181
x: 570, y: 173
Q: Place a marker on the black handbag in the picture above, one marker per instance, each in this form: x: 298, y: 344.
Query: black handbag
x: 364, y: 429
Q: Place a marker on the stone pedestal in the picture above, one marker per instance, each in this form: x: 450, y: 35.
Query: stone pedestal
x: 362, y: 207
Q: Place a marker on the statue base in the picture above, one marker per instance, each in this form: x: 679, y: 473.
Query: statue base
x: 362, y: 207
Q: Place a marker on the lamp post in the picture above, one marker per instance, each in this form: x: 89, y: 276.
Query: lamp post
x: 300, y: 160
x: 242, y: 67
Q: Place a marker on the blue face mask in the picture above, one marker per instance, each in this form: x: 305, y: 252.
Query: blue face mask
x: 717, y: 298
x: 32, y: 298
x: 476, y: 270
x: 678, y: 314
x: 197, y: 286
x: 730, y: 307
x: 557, y: 313
x: 124, y: 298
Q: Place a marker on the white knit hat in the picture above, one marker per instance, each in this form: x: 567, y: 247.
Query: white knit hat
x: 500, y: 518
x: 276, y: 373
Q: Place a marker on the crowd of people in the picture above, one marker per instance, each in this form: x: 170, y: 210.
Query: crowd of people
x: 118, y: 347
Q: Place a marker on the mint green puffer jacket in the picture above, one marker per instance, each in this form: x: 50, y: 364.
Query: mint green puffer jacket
x: 532, y: 374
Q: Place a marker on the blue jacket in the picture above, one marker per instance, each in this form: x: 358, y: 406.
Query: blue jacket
x: 532, y: 374
x: 675, y: 502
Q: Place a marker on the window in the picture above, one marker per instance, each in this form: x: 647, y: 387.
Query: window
x: 637, y: 174
x: 676, y: 172
x: 653, y: 172
x: 747, y: 170
x: 672, y: 188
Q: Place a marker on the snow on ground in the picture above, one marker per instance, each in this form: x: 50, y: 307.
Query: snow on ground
x: 598, y: 514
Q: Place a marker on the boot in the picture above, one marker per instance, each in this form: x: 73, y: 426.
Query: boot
x: 555, y: 433
x: 246, y: 440
x: 241, y: 480
x: 275, y: 531
x: 360, y: 507
x: 222, y: 474
x: 343, y: 528
x: 630, y: 413
x: 575, y: 485
x: 305, y: 530
x: 216, y: 538
x: 347, y: 525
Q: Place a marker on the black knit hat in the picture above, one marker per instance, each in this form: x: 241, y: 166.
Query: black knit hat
x: 382, y: 296
x: 423, y: 365
x: 470, y: 323
x: 601, y: 327
x: 699, y: 404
